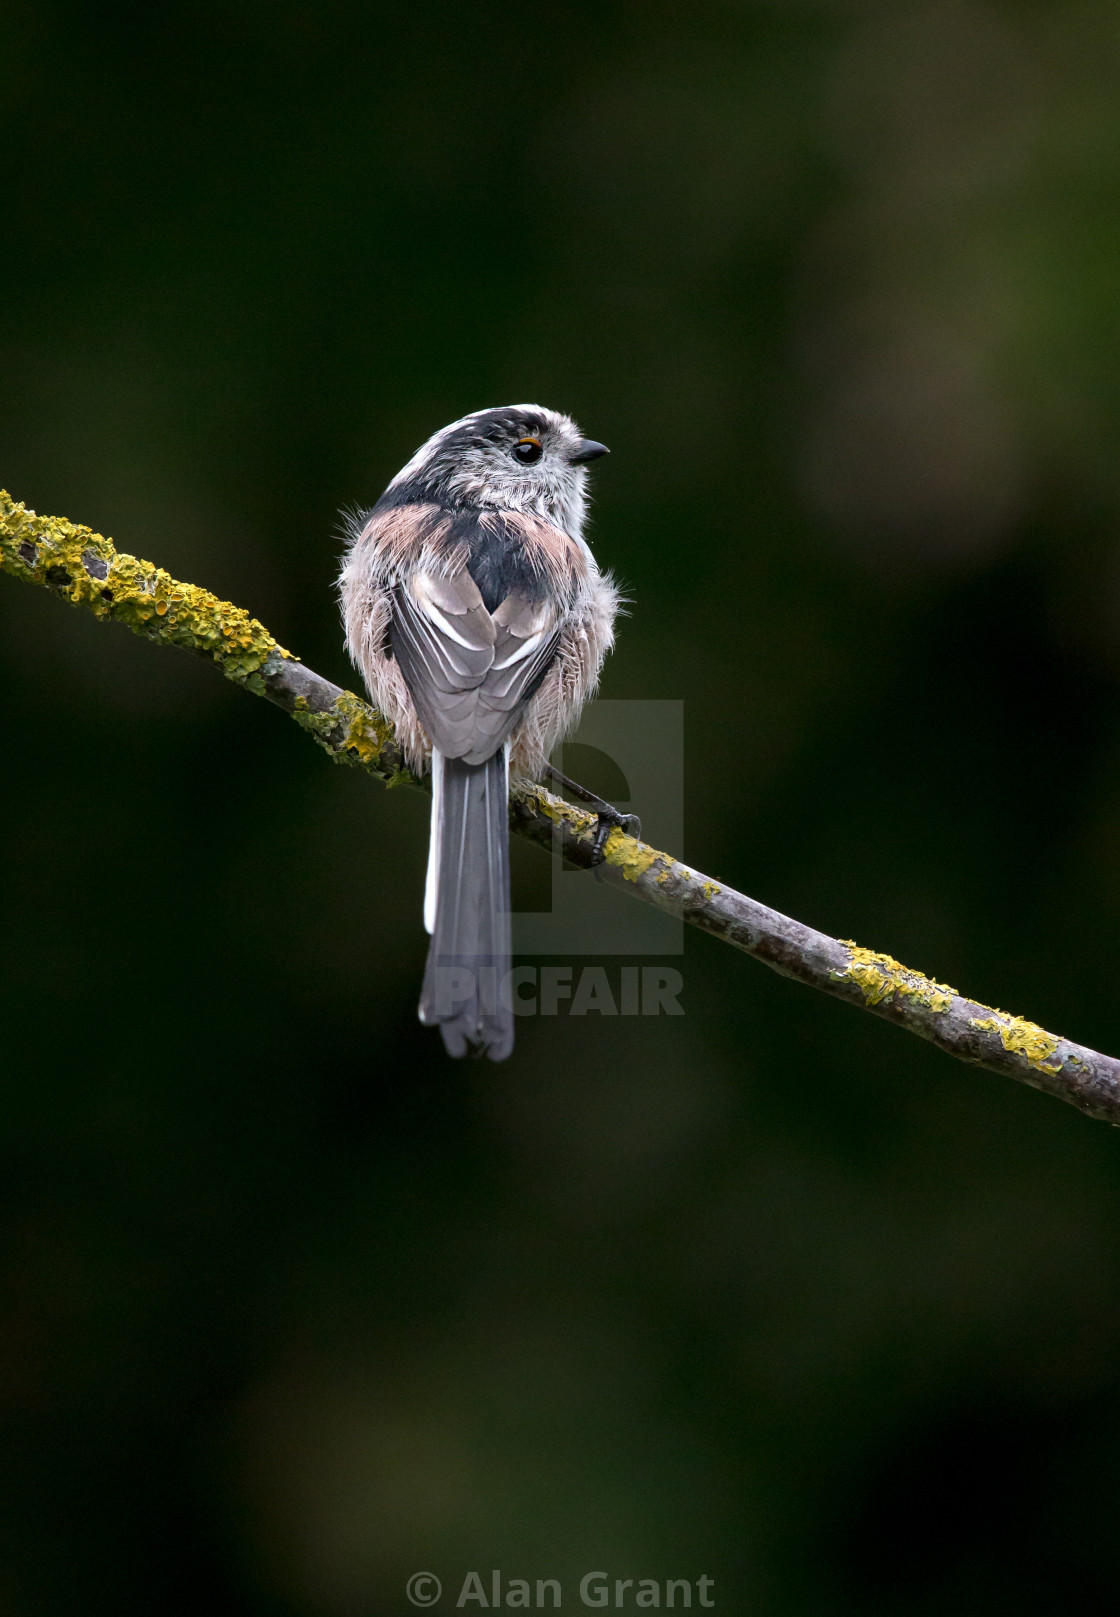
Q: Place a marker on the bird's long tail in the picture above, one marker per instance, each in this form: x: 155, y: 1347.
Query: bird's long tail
x: 466, y: 907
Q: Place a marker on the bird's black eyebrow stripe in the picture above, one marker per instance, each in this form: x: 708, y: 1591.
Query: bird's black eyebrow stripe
x: 496, y: 426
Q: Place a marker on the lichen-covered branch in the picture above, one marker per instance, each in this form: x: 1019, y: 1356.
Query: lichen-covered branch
x: 85, y: 569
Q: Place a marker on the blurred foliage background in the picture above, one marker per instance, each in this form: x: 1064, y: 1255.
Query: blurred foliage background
x: 290, y: 1307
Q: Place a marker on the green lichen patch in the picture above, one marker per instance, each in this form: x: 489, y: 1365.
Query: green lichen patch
x: 352, y: 732
x: 364, y: 731
x: 881, y: 978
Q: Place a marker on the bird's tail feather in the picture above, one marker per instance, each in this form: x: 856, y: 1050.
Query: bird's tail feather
x: 466, y: 907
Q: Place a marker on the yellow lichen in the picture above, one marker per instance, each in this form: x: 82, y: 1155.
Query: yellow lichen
x: 562, y: 813
x: 879, y: 977
x: 366, y: 732
x: 632, y: 857
x: 86, y: 569
x: 1019, y: 1037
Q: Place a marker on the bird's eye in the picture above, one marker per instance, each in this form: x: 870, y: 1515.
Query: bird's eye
x: 528, y: 450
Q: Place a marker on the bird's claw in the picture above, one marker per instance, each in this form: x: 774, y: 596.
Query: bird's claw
x: 608, y: 818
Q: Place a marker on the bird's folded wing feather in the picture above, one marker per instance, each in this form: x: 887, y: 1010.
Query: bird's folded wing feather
x: 470, y: 672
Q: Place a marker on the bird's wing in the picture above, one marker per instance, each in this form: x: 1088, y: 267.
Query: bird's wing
x: 528, y: 633
x: 470, y: 673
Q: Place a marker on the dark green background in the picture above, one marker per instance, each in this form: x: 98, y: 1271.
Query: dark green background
x: 290, y: 1307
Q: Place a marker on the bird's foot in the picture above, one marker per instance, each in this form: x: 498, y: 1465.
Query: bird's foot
x: 606, y: 814
x: 608, y: 818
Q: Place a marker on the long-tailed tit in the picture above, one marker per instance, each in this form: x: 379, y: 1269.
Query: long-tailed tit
x: 479, y: 620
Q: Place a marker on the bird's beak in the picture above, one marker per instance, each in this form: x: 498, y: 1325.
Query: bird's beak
x: 587, y: 449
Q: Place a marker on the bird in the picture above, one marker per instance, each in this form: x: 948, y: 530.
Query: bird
x: 479, y: 620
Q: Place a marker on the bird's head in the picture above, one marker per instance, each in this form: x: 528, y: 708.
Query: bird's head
x: 518, y: 458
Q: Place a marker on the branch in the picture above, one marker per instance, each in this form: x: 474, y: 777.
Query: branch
x: 85, y: 569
